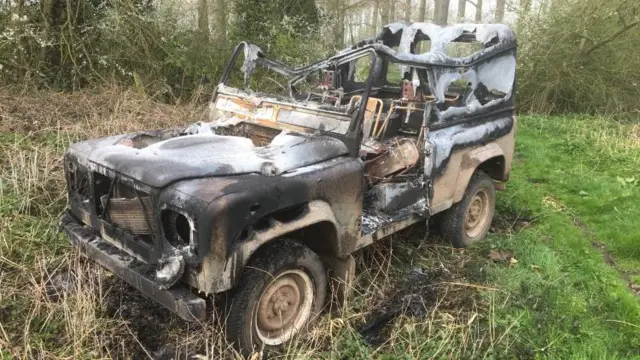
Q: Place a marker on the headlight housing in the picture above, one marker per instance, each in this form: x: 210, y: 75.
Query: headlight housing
x: 178, y: 228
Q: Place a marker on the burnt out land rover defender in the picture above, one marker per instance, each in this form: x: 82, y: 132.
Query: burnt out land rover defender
x: 297, y: 169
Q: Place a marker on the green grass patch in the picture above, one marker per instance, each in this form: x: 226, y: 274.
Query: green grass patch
x: 568, y: 296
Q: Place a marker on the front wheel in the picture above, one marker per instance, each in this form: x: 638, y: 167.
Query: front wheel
x: 469, y: 220
x: 281, y: 291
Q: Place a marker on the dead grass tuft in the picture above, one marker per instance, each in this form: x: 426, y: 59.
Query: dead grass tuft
x: 89, y: 113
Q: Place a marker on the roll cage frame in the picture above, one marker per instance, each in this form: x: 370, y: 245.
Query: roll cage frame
x: 497, y: 40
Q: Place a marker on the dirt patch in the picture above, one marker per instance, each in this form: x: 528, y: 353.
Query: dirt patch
x: 5, y: 313
x: 610, y: 260
x: 607, y: 256
x: 511, y: 221
x: 535, y: 181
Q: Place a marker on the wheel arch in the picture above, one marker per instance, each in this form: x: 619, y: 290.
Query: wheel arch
x: 316, y: 227
x: 489, y: 158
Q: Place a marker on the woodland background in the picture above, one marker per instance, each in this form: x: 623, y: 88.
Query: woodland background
x: 575, y: 56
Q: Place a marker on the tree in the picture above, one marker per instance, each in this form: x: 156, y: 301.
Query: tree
x: 268, y: 22
x: 422, y: 12
x: 478, y: 11
x: 384, y: 13
x: 221, y: 18
x: 392, y: 10
x: 407, y: 11
x: 441, y: 12
x: 203, y: 18
x: 337, y: 10
x: 374, y: 17
x: 462, y: 7
x: 500, y: 5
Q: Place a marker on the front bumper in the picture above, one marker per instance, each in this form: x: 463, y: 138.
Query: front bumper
x: 178, y: 299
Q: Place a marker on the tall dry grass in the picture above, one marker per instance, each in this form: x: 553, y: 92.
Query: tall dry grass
x: 35, y: 261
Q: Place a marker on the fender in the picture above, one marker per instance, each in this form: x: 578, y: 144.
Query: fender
x: 470, y: 163
x: 317, y: 211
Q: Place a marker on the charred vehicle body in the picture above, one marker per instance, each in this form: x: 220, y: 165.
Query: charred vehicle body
x: 267, y: 201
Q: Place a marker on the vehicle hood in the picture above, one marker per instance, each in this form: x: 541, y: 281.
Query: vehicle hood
x: 159, y: 160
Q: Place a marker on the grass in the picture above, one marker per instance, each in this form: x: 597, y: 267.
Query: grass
x: 569, y: 217
x: 570, y: 292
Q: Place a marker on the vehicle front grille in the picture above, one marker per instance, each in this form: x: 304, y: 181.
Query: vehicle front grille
x: 134, y: 215
x: 125, y: 207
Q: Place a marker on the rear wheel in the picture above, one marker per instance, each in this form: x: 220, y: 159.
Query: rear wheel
x: 281, y: 291
x: 469, y: 220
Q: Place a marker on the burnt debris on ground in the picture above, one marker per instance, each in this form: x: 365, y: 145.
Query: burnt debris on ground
x: 414, y: 296
x: 440, y: 283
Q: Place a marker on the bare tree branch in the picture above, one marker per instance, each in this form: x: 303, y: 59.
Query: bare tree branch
x: 354, y: 5
x: 585, y: 37
x: 612, y: 37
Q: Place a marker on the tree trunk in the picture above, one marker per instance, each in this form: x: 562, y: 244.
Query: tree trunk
x: 221, y: 22
x: 422, y: 12
x: 338, y: 29
x: 352, y: 38
x: 462, y: 7
x: 46, y: 9
x: 500, y: 5
x: 374, y: 17
x: 384, y: 13
x: 478, y: 11
x: 203, y: 17
x: 407, y: 11
x: 441, y: 12
x: 392, y: 11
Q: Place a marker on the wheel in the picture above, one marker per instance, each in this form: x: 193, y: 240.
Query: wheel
x: 282, y: 290
x: 469, y: 220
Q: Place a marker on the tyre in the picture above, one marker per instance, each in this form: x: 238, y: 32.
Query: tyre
x: 469, y: 220
x: 282, y: 290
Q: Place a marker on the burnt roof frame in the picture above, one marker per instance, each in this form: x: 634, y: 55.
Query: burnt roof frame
x: 381, y: 47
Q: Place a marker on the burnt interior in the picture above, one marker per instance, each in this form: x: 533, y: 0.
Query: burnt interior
x: 414, y: 78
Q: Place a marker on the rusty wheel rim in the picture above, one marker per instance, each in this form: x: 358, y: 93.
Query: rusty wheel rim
x: 478, y: 214
x: 284, y: 307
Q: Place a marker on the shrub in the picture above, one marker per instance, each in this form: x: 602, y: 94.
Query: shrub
x: 74, y: 44
x: 580, y: 56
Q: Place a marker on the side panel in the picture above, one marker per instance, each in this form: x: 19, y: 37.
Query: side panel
x: 459, y: 153
x: 501, y: 147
